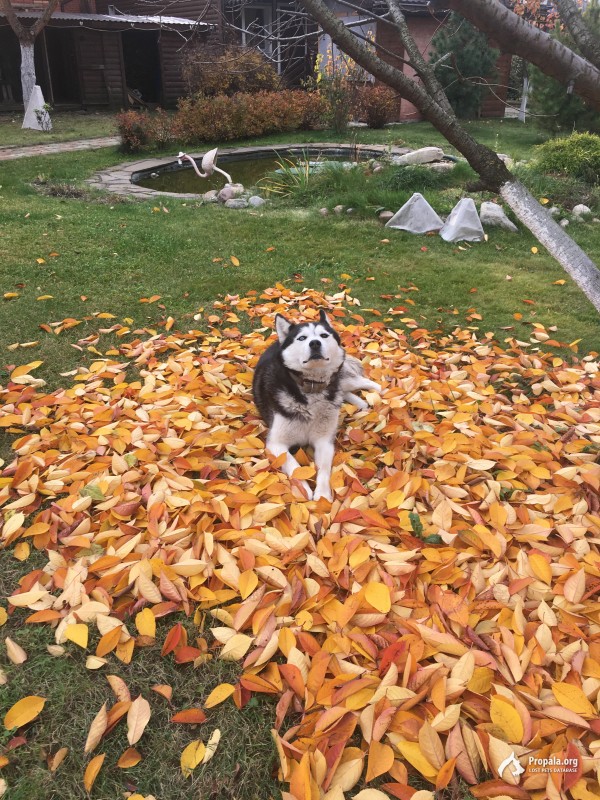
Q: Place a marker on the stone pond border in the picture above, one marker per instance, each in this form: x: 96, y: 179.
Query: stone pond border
x: 118, y: 179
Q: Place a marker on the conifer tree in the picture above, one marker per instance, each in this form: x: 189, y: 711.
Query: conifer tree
x: 470, y: 65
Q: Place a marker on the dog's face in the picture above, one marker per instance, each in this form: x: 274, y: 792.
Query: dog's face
x: 310, y: 347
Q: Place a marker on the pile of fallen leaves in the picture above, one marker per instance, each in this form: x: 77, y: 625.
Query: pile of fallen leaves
x: 439, y: 618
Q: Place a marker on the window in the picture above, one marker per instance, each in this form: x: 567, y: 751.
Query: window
x: 257, y: 22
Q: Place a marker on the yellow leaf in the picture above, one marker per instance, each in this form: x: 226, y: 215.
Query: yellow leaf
x: 93, y: 662
x: 138, y: 717
x: 540, y: 567
x: 15, y: 653
x: 145, y: 622
x: 378, y: 596
x: 481, y: 680
x: 506, y: 717
x: 3, y: 616
x: 236, y: 647
x: 21, y: 551
x: 412, y: 753
x: 219, y: 694
x: 573, y: 698
x: 235, y: 261
x: 192, y: 756
x: 23, y: 711
x: 212, y: 745
x: 534, y: 250
x: 77, y: 633
x: 248, y: 583
x: 97, y: 730
x: 544, y: 201
x: 25, y: 369
x: 10, y: 295
x: 561, y: 282
x: 92, y: 770
x: 381, y: 758
x: 45, y: 297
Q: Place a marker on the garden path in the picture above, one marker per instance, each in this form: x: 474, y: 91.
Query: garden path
x: 11, y: 153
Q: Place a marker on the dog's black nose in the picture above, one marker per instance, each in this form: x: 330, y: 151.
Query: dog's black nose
x: 315, y: 344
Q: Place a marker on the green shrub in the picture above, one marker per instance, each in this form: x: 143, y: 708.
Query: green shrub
x: 228, y: 69
x: 576, y: 156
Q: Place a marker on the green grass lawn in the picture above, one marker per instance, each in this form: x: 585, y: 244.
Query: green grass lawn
x: 95, y: 256
x: 66, y: 126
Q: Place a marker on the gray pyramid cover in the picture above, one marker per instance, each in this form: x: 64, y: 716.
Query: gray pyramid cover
x: 463, y: 224
x: 416, y: 216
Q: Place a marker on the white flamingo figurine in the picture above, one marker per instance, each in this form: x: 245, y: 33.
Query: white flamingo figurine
x: 208, y: 164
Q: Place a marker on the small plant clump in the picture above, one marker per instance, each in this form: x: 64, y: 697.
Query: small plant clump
x: 577, y: 156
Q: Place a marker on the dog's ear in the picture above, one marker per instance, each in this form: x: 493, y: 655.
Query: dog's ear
x: 324, y: 319
x: 282, y: 326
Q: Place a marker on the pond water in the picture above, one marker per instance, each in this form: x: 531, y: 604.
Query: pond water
x: 247, y: 169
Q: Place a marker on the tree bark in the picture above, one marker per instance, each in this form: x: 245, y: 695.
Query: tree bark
x: 27, y: 70
x: 514, y: 35
x: 560, y: 246
x: 585, y: 39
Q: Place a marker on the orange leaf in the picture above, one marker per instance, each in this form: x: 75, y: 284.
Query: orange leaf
x: 189, y: 716
x: 92, y: 770
x: 130, y: 758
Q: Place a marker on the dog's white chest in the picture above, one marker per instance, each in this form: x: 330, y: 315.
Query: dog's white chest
x: 318, y: 419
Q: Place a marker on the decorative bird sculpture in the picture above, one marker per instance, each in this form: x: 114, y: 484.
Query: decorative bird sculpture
x: 209, y: 164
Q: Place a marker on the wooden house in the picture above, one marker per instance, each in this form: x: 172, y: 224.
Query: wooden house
x: 94, y: 55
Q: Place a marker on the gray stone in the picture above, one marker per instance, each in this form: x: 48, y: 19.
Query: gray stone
x: 357, y: 125
x: 229, y: 191
x: 385, y: 216
x: 211, y: 197
x: 563, y: 223
x: 236, y: 202
x: 424, y: 155
x: 554, y: 211
x: 491, y: 214
x: 581, y: 210
x: 378, y: 168
x: 596, y: 219
x: 338, y: 209
x: 507, y: 160
x: 255, y: 201
x: 324, y: 212
x: 349, y: 211
x: 440, y: 166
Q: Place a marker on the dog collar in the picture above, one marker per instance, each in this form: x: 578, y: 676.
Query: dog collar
x: 310, y: 386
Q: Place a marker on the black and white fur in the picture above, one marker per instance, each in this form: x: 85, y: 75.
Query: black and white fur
x: 299, y: 384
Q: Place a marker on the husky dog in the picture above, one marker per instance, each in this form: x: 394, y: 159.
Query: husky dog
x: 299, y: 385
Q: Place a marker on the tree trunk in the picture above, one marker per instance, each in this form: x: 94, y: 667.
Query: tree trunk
x: 585, y: 39
x: 27, y: 70
x: 514, y: 35
x: 567, y: 252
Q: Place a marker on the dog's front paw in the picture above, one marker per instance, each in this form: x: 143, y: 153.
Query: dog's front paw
x: 324, y: 492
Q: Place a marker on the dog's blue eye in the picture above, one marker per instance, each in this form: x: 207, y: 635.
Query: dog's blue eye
x: 324, y: 336
x: 301, y: 338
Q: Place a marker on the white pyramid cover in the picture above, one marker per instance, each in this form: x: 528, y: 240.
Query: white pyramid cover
x: 36, y: 101
x: 415, y: 216
x: 463, y: 224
